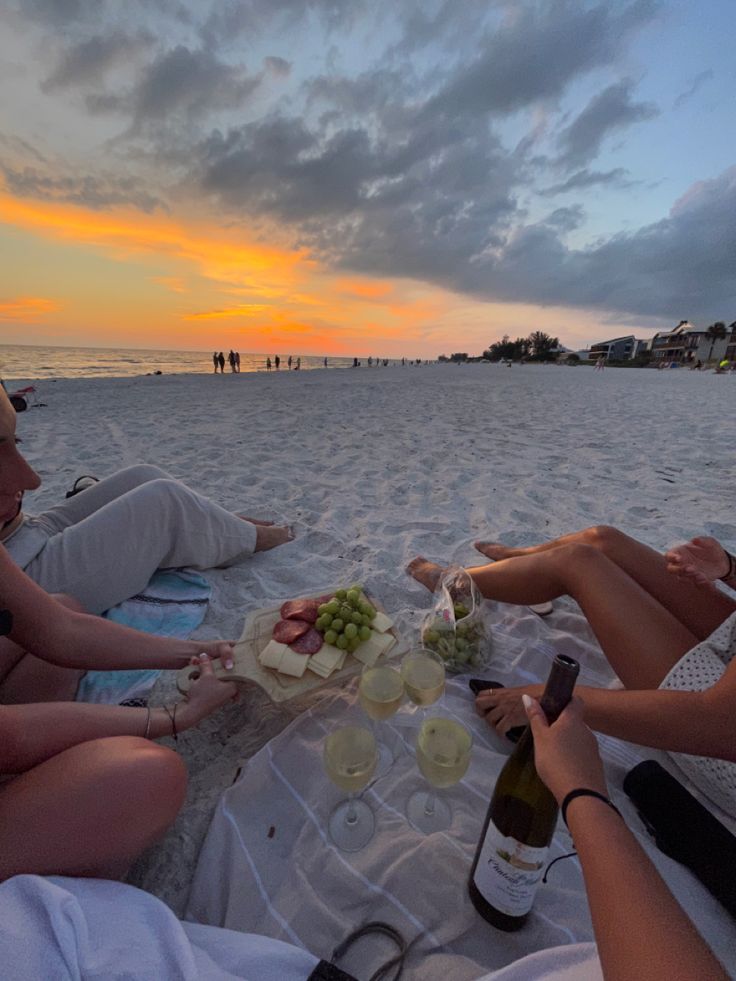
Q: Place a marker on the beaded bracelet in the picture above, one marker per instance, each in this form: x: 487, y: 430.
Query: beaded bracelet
x: 584, y: 792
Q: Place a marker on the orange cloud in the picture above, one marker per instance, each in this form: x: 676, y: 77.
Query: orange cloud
x: 246, y: 310
x: 174, y: 283
x: 26, y: 309
x: 365, y: 289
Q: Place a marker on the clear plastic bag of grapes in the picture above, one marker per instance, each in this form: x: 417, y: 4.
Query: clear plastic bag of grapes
x: 455, y: 628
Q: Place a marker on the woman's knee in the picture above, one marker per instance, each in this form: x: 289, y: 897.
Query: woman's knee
x: 575, y: 555
x: 605, y: 538
x: 146, y: 778
x: 143, y: 473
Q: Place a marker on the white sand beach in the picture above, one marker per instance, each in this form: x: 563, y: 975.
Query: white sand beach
x: 372, y: 467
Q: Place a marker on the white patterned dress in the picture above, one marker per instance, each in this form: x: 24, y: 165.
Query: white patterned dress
x: 697, y: 670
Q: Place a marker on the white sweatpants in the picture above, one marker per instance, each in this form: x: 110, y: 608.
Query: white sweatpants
x: 103, y: 545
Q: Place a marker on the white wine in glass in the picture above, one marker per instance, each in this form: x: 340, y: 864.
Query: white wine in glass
x: 443, y: 755
x: 423, y: 672
x: 350, y: 758
x: 380, y: 692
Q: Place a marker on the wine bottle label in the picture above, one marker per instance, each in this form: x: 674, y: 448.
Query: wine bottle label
x: 508, y: 873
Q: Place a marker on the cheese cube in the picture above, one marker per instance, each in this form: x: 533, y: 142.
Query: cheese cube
x: 370, y: 650
x: 271, y: 655
x: 293, y: 664
x: 327, y: 656
x: 381, y: 622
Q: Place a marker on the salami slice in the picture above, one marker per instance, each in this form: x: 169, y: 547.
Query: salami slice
x: 309, y: 643
x: 300, y: 610
x: 287, y: 631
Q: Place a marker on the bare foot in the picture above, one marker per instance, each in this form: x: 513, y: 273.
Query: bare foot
x: 426, y: 572
x: 269, y: 536
x: 255, y: 521
x: 496, y: 551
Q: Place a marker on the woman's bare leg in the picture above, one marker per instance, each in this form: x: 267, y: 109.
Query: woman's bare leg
x: 641, y: 638
x: 91, y: 810
x: 699, y: 608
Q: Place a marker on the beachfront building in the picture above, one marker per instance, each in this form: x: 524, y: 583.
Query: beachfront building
x: 730, y: 354
x: 715, y: 344
x: 678, y: 346
x: 618, y: 349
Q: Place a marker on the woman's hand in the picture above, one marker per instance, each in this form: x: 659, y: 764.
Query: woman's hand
x: 566, y: 752
x: 701, y: 561
x: 502, y: 707
x: 206, y: 695
x: 222, y: 649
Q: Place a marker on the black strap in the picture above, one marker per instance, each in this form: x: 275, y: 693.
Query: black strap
x: 6, y: 622
x: 395, y: 963
x: 328, y: 972
x: 584, y: 792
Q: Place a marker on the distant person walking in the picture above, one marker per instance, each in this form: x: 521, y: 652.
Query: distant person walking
x: 289, y: 362
x: 298, y: 364
x: 221, y: 362
x: 231, y: 359
x: 277, y: 362
x: 268, y: 364
x: 325, y: 362
x: 214, y: 360
x: 237, y: 361
x: 600, y: 363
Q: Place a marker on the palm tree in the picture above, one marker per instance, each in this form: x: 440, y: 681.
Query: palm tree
x: 716, y: 332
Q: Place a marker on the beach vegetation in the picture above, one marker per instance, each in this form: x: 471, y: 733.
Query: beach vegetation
x: 716, y: 332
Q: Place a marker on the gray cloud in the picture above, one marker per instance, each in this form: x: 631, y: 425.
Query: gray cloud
x: 536, y: 53
x: 87, y: 61
x: 609, y: 111
x: 277, y: 66
x: 581, y: 180
x: 700, y: 79
x: 97, y: 192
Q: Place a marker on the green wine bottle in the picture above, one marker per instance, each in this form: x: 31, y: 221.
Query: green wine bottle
x: 512, y: 852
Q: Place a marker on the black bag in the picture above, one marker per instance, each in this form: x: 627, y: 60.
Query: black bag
x: 685, y: 830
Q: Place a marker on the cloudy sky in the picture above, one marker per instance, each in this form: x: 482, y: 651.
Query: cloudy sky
x: 364, y: 176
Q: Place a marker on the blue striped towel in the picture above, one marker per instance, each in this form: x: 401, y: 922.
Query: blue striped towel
x: 173, y: 604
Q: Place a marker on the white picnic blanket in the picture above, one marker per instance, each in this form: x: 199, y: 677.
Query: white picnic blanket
x: 269, y: 867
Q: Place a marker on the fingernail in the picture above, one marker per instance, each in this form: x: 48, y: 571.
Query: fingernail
x: 229, y: 665
x: 527, y: 701
x: 204, y: 657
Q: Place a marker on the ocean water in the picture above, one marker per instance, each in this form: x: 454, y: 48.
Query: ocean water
x: 26, y: 361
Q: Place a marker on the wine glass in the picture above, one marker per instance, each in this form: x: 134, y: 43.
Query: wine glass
x: 350, y: 759
x: 423, y: 672
x: 380, y: 692
x: 443, y: 755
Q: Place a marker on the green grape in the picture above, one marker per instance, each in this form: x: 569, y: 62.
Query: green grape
x: 356, y: 618
x: 461, y: 644
x: 358, y: 586
x: 365, y: 619
x: 337, y: 625
x: 371, y: 613
x: 330, y: 637
x: 320, y: 624
x: 341, y: 594
x: 351, y: 631
x: 431, y: 637
x: 322, y: 608
x: 353, y: 597
x: 333, y: 607
x: 342, y: 642
x: 326, y: 618
x: 365, y: 632
x: 353, y: 644
x: 461, y: 611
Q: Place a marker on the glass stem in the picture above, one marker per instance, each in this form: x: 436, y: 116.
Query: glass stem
x: 429, y: 803
x: 351, y: 815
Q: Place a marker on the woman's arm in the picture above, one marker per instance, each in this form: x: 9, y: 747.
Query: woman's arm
x: 697, y: 722
x: 31, y: 734
x: 76, y: 640
x: 640, y: 928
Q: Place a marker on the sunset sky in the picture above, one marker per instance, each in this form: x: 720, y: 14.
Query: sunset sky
x: 342, y: 177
